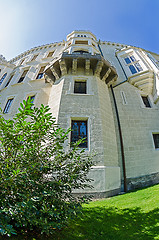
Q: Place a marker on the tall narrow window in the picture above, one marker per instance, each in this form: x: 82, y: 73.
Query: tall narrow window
x: 34, y: 57
x: 138, y: 67
x: 156, y: 140
x: 155, y: 62
x: 50, y: 54
x: 146, y: 101
x: 80, y: 87
x: 9, y: 81
x: 23, y: 76
x: 22, y: 61
x: 123, y: 97
x: 32, y: 98
x: 41, y: 73
x: 79, y: 131
x: 2, y: 79
x: 132, y: 69
x: 8, y: 105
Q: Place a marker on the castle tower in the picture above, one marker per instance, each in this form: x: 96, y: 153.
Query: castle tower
x: 107, y: 93
x: 80, y: 78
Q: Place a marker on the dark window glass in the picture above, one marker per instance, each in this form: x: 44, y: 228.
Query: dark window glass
x: 7, y: 106
x: 3, y: 77
x: 34, y: 57
x: 138, y: 66
x: 22, y: 61
x: 40, y: 74
x: 132, y: 69
x: 156, y: 140
x: 31, y: 98
x: 80, y: 87
x: 23, y: 76
x: 9, y: 81
x: 146, y: 102
x: 79, y: 131
x: 50, y: 54
x: 127, y: 60
x: 132, y: 58
x: 21, y: 79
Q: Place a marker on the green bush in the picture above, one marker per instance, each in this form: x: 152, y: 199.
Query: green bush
x: 37, y: 175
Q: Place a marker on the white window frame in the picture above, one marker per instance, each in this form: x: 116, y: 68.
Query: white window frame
x: 8, y: 98
x: 143, y: 104
x: 37, y: 72
x: 132, y: 63
x: 80, y: 79
x: 128, y: 54
x: 81, y: 118
x: 30, y: 94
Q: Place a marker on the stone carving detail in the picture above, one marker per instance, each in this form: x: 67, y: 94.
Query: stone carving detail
x: 98, y: 68
x: 68, y: 63
x: 63, y: 67
x: 54, y: 72
x: 74, y: 66
x: 87, y: 66
x: 106, y: 74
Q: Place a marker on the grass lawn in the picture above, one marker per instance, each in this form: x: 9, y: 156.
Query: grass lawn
x: 131, y: 216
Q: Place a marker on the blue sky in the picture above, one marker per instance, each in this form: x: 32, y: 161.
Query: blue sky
x: 29, y: 23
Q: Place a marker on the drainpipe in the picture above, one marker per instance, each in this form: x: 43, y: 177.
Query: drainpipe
x: 118, y: 122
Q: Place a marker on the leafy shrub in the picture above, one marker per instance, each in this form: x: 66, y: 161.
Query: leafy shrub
x: 37, y: 175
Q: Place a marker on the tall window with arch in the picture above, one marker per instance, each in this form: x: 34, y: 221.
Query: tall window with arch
x: 2, y: 78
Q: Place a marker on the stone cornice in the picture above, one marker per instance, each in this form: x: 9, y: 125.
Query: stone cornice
x: 46, y: 46
x: 56, y: 44
x: 7, y: 64
x: 127, y: 47
x: 143, y: 81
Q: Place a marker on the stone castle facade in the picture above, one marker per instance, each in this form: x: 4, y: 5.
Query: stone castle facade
x: 106, y: 92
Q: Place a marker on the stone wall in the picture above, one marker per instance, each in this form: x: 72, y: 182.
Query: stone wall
x: 143, y: 181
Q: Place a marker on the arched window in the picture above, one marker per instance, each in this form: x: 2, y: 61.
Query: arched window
x: 3, y: 77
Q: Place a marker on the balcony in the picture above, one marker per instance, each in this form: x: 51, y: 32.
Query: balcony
x: 78, y: 62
